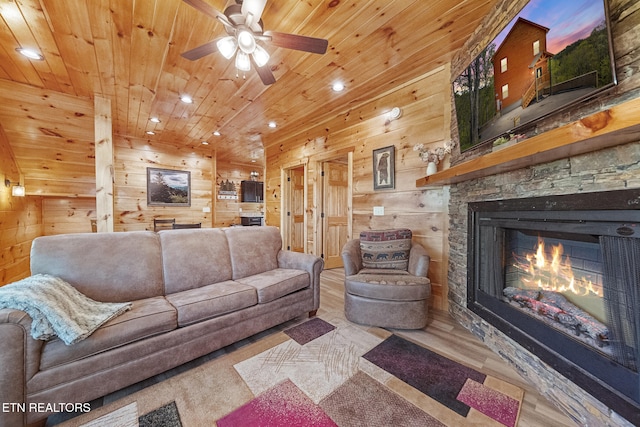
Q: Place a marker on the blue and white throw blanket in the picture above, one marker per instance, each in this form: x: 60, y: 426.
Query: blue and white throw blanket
x: 57, y: 308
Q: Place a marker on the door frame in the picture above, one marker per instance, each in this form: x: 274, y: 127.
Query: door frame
x: 285, y: 202
x: 318, y: 196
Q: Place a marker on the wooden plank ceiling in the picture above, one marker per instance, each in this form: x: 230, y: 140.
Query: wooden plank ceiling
x: 129, y: 52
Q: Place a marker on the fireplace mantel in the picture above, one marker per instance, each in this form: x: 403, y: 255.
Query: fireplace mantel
x: 607, y: 128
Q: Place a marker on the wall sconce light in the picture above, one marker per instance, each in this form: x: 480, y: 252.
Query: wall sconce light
x: 254, y: 175
x: 18, y: 190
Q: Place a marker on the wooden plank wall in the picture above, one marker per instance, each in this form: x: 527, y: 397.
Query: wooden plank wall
x: 20, y: 220
x: 62, y: 215
x: 52, y: 138
x: 425, y: 103
x: 227, y: 212
x: 132, y: 158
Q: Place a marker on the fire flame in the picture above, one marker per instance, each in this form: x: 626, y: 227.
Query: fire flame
x: 555, y: 274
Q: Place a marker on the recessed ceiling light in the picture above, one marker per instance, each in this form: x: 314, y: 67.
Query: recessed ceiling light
x: 395, y: 113
x: 30, y: 53
x: 216, y: 133
x: 272, y: 124
x: 154, y: 120
x: 150, y: 132
x: 338, y: 87
x: 205, y: 143
x: 186, y: 99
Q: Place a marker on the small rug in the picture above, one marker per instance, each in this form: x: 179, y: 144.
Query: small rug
x: 164, y: 416
x: 309, y: 330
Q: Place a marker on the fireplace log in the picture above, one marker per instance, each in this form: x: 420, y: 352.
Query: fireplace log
x: 588, y: 324
x: 556, y: 307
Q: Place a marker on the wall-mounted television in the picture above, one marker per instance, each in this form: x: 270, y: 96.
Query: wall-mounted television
x: 553, y: 54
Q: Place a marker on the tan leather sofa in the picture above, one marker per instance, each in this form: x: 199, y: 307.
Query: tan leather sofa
x: 193, y: 291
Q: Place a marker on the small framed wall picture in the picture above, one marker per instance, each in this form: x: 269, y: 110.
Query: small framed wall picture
x: 384, y: 160
x: 166, y: 187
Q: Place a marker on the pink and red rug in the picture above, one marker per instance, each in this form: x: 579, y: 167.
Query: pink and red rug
x: 345, y: 365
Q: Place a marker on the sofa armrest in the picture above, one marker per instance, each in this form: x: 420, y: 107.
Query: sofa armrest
x: 20, y: 360
x: 310, y: 263
x: 418, y: 260
x: 351, y: 257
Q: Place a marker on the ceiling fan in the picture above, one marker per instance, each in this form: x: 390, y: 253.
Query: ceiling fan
x: 245, y: 33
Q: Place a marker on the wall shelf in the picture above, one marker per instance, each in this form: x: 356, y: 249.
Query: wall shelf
x: 617, y: 125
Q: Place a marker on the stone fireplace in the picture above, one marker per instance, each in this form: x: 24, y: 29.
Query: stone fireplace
x: 521, y: 243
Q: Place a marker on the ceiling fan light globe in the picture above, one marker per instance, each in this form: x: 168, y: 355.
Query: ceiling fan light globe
x: 243, y: 63
x: 227, y: 46
x: 261, y: 56
x: 246, y: 42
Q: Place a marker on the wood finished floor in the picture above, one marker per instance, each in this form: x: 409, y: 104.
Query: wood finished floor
x: 442, y: 334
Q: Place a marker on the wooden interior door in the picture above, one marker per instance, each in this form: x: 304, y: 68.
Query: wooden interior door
x: 335, y: 222
x: 295, y: 213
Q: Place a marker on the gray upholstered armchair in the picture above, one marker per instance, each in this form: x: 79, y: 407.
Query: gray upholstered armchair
x: 386, y: 280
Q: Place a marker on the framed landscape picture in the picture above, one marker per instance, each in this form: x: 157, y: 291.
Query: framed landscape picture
x: 166, y: 187
x: 384, y: 160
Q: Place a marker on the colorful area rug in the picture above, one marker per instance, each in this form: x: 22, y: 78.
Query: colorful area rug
x: 329, y: 365
x: 322, y: 372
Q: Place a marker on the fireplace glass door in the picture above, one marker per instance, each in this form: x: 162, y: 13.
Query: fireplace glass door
x: 558, y: 279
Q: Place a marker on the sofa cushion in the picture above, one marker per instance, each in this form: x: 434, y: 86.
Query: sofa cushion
x: 147, y: 317
x: 214, y: 300
x: 194, y: 258
x: 385, y: 248
x: 107, y: 267
x: 277, y: 283
x: 389, y: 287
x: 253, y: 250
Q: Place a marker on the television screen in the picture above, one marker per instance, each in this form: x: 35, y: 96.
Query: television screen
x: 551, y: 55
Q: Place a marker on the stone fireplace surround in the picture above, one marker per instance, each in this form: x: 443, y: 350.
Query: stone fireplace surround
x: 616, y: 168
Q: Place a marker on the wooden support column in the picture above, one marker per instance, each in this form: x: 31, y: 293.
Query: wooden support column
x: 214, y: 182
x: 104, y: 164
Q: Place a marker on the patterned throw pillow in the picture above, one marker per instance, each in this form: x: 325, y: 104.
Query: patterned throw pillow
x: 386, y: 248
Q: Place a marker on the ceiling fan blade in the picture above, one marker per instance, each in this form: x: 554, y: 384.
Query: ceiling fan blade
x: 200, y: 51
x: 265, y: 73
x: 297, y: 42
